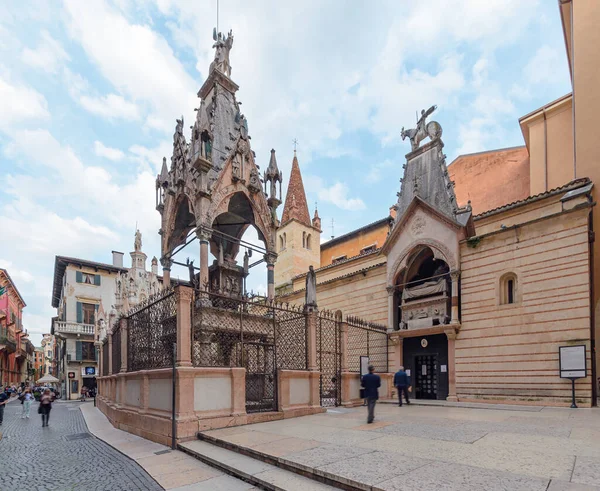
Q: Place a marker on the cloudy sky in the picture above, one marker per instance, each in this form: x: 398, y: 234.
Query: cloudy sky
x: 89, y: 93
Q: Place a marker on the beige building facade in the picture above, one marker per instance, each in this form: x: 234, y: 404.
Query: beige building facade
x: 483, y: 271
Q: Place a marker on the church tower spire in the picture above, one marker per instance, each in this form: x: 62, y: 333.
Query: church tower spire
x: 296, y: 207
x: 298, y: 242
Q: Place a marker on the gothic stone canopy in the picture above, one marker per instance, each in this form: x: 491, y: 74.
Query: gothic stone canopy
x: 213, y: 182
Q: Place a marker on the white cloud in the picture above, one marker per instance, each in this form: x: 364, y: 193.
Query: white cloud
x: 113, y: 154
x: 338, y: 195
x: 20, y: 104
x: 111, y: 106
x: 48, y: 55
x: 377, y: 171
x: 136, y: 60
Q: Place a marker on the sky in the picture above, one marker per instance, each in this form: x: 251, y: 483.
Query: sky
x: 90, y: 90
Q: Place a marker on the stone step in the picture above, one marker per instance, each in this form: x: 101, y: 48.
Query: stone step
x: 254, y: 470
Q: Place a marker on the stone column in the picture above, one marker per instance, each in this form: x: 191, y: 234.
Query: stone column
x: 390, y: 291
x: 204, y: 237
x: 344, y: 346
x: 184, y: 325
x: 454, y: 275
x: 398, y: 353
x: 312, y: 317
x: 270, y: 259
x: 124, y: 334
x: 166, y: 264
x: 110, y: 363
x: 451, y: 335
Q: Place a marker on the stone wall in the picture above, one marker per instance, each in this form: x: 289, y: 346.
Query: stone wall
x: 510, y: 352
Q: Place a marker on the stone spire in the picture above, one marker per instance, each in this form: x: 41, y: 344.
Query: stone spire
x: 295, y: 200
x: 316, y: 221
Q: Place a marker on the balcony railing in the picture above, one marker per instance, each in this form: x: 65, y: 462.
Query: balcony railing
x: 74, y: 328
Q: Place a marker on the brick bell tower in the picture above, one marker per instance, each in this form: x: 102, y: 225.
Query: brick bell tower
x: 298, y: 237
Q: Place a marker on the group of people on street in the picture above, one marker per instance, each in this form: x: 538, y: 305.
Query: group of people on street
x: 26, y: 397
x: 371, y: 383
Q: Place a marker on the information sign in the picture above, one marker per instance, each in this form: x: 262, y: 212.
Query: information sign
x: 364, y: 365
x: 572, y: 361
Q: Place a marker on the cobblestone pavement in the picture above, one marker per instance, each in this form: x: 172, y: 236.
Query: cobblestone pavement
x: 63, y: 456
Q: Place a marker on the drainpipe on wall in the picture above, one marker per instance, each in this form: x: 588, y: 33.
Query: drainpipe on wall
x: 592, y: 307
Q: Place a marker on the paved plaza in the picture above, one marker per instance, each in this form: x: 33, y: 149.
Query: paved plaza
x: 442, y: 448
x: 63, y: 456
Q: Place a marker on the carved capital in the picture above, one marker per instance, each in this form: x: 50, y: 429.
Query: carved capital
x: 391, y: 290
x: 455, y: 275
x: 270, y: 258
x: 184, y: 293
x: 203, y: 234
x: 166, y: 263
x: 450, y: 333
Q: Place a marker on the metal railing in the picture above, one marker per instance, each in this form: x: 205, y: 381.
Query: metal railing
x: 366, y: 339
x: 116, y: 348
x: 74, y: 328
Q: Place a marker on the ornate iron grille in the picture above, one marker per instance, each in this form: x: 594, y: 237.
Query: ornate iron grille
x: 116, y: 348
x: 290, y: 325
x: 329, y: 358
x: 105, y: 358
x: 152, y: 330
x: 366, y: 339
x: 257, y: 335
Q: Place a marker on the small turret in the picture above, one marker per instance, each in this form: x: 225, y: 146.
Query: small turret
x: 316, y: 221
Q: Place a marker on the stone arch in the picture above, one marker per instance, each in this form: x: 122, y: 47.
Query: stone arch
x: 440, y: 251
x: 179, y: 221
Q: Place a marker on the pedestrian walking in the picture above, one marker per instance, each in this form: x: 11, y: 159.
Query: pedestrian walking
x: 45, y: 407
x: 27, y: 401
x: 371, y: 383
x: 402, y: 384
x: 4, y: 398
x: 84, y: 393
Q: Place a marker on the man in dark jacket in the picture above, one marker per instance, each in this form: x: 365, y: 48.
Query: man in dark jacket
x: 371, y: 384
x: 402, y: 383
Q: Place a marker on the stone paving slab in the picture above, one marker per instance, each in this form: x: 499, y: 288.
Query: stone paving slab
x: 452, y: 477
x: 454, y: 433
x: 372, y: 467
x: 326, y: 454
x: 570, y: 486
x: 586, y: 471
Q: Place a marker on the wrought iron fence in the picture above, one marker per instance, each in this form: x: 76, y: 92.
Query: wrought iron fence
x: 258, y: 335
x: 116, y: 348
x: 329, y: 358
x: 152, y: 330
x: 366, y: 339
x: 105, y: 358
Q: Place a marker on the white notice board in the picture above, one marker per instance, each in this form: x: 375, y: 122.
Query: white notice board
x: 572, y: 361
x: 364, y: 365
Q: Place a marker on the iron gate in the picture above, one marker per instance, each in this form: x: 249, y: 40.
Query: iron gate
x: 329, y: 358
x: 258, y: 335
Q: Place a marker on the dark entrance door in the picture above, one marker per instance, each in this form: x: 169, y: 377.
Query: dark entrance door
x: 425, y: 379
x: 427, y: 359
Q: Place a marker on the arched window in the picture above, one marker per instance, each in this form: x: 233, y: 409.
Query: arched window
x: 281, y: 242
x: 508, y: 289
x: 304, y: 240
x: 308, y: 241
x: 284, y: 240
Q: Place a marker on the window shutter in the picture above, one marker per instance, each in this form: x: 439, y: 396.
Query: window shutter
x: 79, y: 313
x: 78, y: 350
x: 97, y: 280
x: 79, y: 276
